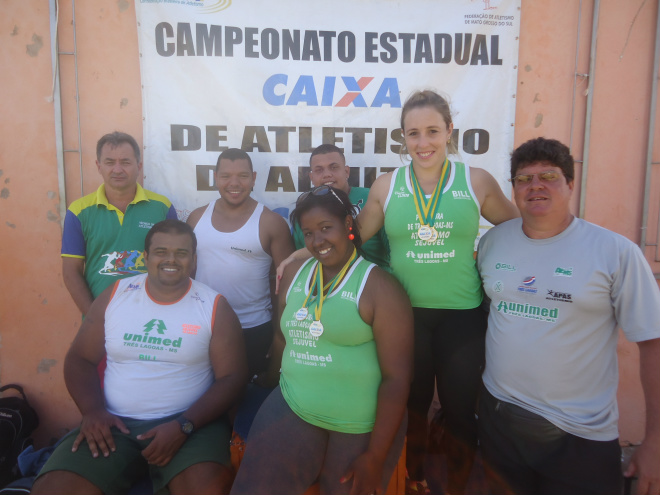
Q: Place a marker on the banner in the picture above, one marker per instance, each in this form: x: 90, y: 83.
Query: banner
x: 279, y: 78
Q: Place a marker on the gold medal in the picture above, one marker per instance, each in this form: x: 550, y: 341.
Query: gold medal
x: 426, y: 210
x: 302, y: 313
x: 425, y: 232
x: 316, y: 328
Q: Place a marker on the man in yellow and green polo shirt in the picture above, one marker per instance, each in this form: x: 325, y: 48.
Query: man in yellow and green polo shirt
x: 103, y: 238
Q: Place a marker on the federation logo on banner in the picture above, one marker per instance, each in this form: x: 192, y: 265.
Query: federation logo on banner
x: 211, y: 6
x: 219, y: 74
x: 203, y: 6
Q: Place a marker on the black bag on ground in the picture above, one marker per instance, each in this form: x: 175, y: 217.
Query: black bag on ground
x: 17, y: 421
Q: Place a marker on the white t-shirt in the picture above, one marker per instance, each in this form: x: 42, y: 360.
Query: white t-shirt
x: 555, y: 308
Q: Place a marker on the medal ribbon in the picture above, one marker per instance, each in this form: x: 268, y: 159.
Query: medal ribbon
x: 431, y: 207
x: 310, y: 299
x: 318, y: 283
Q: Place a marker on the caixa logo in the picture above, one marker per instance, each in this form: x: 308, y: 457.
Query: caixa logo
x: 278, y: 90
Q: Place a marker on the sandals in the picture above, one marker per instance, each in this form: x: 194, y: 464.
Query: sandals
x: 417, y: 487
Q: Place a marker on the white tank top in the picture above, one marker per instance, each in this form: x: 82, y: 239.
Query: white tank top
x: 158, y: 353
x: 236, y: 265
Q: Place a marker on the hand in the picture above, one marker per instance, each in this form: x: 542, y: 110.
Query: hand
x: 367, y: 473
x: 95, y: 427
x: 645, y: 464
x: 167, y: 440
x: 280, y: 270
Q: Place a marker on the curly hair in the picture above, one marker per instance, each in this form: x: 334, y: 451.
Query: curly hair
x: 543, y: 150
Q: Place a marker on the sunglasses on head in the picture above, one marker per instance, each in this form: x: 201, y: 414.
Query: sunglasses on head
x: 317, y: 191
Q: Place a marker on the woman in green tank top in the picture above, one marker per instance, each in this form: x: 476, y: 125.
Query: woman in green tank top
x: 345, y: 347
x: 430, y: 211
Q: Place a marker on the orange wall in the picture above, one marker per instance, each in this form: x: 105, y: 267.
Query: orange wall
x: 37, y: 317
x: 37, y: 320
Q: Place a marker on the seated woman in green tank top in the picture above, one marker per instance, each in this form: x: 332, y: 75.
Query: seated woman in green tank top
x: 346, y: 343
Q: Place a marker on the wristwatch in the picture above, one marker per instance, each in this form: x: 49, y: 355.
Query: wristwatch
x: 186, y: 425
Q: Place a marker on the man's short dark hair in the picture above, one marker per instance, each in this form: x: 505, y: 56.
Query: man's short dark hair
x: 233, y: 154
x: 324, y: 149
x: 543, y: 150
x: 171, y: 226
x: 115, y: 139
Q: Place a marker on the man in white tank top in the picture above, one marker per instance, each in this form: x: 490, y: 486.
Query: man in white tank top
x: 239, y: 241
x: 176, y: 365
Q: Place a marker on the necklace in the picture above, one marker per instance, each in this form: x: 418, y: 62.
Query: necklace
x: 426, y: 213
x: 316, y: 327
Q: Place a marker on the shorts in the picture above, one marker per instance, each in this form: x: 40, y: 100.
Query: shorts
x: 116, y: 473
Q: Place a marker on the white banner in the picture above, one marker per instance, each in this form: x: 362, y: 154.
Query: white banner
x: 278, y: 78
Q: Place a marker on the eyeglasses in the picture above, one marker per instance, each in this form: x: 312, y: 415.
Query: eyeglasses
x: 317, y: 191
x: 524, y: 179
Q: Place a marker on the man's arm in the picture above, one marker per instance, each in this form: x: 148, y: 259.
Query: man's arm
x: 192, y: 220
x: 73, y: 262
x: 227, y: 353
x: 279, y: 244
x: 194, y: 217
x: 645, y: 463
x: 82, y: 380
x: 280, y: 248
x: 73, y: 273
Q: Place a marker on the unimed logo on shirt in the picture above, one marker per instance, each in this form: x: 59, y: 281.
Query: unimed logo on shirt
x: 528, y: 311
x: 157, y: 325
x: 150, y: 339
x: 401, y: 193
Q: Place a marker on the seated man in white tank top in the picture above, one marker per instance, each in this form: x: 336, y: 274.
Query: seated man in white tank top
x: 239, y: 240
x: 176, y: 365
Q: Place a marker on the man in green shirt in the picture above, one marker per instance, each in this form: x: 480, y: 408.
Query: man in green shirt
x: 328, y: 167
